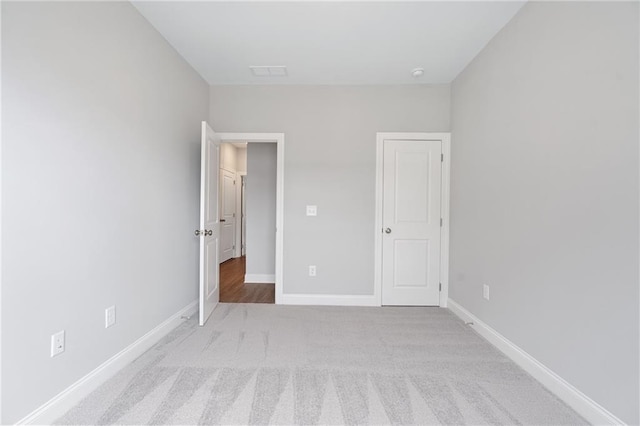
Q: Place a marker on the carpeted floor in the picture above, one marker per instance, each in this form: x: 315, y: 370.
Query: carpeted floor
x: 269, y: 364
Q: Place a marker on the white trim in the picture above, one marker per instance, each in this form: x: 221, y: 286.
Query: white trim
x: 1, y: 203
x: 445, y: 138
x: 61, y: 403
x: 238, y: 240
x: 329, y: 299
x: 444, y: 208
x: 277, y: 138
x: 259, y: 278
x: 377, y: 275
x: 585, y: 406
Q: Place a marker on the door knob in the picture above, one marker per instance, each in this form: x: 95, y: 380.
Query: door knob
x: 208, y: 232
x: 223, y: 220
x: 388, y: 230
x: 198, y: 232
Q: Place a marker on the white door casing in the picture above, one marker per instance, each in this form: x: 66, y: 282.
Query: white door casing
x: 411, y: 198
x: 227, y: 214
x: 239, y: 251
x: 243, y: 214
x: 209, y: 232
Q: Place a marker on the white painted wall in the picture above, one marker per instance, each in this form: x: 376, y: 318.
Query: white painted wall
x: 228, y: 159
x: 330, y: 157
x: 100, y: 175
x: 241, y: 159
x: 260, y: 196
x: 544, y: 193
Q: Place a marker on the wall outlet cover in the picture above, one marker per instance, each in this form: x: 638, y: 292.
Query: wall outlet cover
x: 109, y: 316
x: 57, y: 343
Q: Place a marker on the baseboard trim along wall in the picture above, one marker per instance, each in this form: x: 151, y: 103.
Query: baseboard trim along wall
x: 329, y: 299
x: 259, y: 278
x: 585, y: 406
x: 65, y: 400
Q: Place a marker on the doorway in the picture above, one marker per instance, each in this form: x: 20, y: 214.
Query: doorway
x: 242, y: 199
x: 412, y: 219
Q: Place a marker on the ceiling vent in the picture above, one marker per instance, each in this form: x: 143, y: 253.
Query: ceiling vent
x: 269, y: 71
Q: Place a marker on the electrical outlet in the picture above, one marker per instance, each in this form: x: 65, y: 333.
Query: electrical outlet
x: 109, y: 316
x: 312, y: 210
x: 312, y: 270
x: 57, y: 343
x: 485, y: 291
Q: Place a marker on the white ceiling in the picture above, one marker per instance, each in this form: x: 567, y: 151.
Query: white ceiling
x: 329, y: 42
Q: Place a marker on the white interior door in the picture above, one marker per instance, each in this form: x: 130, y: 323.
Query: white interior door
x: 227, y: 214
x: 209, y: 231
x: 411, y: 222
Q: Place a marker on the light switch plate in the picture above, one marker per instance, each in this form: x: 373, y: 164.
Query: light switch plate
x: 312, y: 210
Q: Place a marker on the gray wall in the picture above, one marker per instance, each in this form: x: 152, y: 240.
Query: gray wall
x: 100, y: 178
x: 260, y: 197
x: 544, y: 196
x: 330, y: 151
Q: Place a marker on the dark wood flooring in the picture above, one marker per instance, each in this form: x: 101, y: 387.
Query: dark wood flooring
x: 233, y: 288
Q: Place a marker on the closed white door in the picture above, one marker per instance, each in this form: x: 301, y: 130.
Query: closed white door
x: 227, y: 214
x: 411, y: 223
x: 209, y: 232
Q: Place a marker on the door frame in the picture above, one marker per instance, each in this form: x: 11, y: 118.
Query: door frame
x: 278, y: 139
x: 445, y: 139
x: 238, y: 250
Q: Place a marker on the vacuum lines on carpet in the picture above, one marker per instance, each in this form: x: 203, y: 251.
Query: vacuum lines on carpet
x: 304, y: 365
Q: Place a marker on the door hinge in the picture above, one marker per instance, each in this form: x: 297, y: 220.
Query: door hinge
x: 441, y: 158
x: 234, y: 247
x: 440, y: 287
x: 234, y: 182
x: 441, y: 222
x: 234, y: 215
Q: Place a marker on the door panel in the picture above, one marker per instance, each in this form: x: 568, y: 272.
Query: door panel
x: 209, y: 232
x: 212, y: 267
x: 227, y: 213
x: 411, y: 222
x: 411, y: 176
x: 410, y: 268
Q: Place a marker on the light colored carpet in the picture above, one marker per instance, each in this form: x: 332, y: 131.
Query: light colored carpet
x: 268, y: 364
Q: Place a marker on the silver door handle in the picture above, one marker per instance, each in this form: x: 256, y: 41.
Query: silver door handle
x: 208, y: 232
x: 387, y: 231
x: 198, y: 232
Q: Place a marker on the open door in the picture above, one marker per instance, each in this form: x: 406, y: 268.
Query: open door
x: 209, y: 231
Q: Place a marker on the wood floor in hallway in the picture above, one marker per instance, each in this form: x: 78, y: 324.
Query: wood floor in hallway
x: 233, y: 288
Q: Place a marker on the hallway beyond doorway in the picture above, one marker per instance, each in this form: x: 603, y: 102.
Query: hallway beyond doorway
x: 233, y: 289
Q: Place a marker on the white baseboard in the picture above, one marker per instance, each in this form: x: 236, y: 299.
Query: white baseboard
x: 328, y: 299
x: 65, y: 400
x: 259, y: 278
x: 585, y: 406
